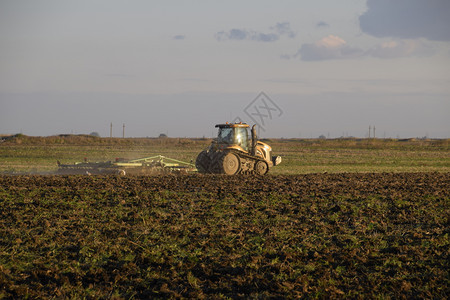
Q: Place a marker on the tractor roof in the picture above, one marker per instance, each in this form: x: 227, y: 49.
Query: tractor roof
x: 233, y: 125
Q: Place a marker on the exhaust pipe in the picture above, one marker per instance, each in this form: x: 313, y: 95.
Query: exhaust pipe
x: 254, y: 140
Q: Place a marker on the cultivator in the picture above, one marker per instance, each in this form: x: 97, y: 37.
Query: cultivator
x: 149, y: 165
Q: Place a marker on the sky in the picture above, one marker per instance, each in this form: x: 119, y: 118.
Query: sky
x: 297, y: 69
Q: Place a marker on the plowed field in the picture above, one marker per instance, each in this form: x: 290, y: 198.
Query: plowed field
x: 316, y: 235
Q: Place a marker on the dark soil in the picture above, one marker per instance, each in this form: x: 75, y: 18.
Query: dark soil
x: 204, y: 236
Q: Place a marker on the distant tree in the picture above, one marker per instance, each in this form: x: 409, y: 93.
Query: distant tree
x: 162, y: 136
x: 322, y: 137
x: 95, y: 133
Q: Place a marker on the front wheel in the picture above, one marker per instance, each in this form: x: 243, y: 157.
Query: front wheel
x: 261, y: 167
x: 121, y: 172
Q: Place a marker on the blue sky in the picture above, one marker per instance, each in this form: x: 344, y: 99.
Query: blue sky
x: 179, y: 67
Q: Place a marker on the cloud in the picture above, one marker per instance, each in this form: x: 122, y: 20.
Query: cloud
x: 322, y: 24
x: 265, y: 37
x: 334, y: 47
x: 179, y: 37
x: 407, y: 19
x: 233, y: 34
x: 280, y: 29
x: 330, y: 47
x: 242, y: 34
x: 401, y: 48
x: 284, y: 28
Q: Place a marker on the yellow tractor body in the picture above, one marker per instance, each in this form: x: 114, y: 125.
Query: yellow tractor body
x: 233, y: 152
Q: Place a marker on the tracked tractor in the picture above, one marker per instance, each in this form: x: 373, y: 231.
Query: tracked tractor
x: 233, y: 152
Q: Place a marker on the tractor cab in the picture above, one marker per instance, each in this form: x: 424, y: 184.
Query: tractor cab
x: 231, y: 135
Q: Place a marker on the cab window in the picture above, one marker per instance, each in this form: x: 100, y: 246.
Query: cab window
x: 242, y: 137
x: 225, y: 136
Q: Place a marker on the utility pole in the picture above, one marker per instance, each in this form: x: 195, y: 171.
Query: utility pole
x: 123, y: 131
x: 370, y: 128
x: 110, y: 130
x: 373, y: 131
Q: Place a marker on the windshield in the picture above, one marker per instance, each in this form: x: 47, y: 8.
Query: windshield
x: 225, y: 136
x: 233, y: 136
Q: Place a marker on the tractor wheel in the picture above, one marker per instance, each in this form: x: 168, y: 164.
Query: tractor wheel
x: 203, y: 162
x: 121, y: 172
x: 261, y: 167
x: 230, y: 163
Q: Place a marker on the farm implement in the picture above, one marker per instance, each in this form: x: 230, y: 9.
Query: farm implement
x: 149, y: 165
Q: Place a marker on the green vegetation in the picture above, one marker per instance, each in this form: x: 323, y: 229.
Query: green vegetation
x: 350, y: 155
x: 39, y: 154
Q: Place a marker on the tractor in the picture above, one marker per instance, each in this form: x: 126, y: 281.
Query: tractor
x: 234, y: 153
